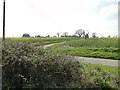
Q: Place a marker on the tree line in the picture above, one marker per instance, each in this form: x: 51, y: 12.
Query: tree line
x: 81, y: 33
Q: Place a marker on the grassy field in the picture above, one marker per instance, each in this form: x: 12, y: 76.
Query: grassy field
x: 99, y: 47
x: 41, y: 41
x: 93, y: 47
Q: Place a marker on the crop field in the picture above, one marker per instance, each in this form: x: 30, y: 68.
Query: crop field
x: 41, y: 41
x: 100, y: 48
x: 27, y: 66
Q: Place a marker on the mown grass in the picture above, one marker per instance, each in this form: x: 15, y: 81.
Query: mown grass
x: 100, y: 47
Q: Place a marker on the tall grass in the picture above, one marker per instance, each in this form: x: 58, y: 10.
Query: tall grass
x: 94, y: 43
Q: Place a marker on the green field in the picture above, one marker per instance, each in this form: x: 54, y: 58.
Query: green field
x: 100, y: 48
x: 41, y: 41
x: 93, y: 47
x: 49, y: 68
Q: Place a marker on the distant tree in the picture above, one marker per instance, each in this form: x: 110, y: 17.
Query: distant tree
x: 65, y: 34
x: 102, y: 36
x: 87, y: 35
x: 94, y: 35
x: 25, y: 35
x: 109, y: 36
x: 79, y: 32
x: 62, y: 36
x: 54, y: 36
x: 37, y: 36
x: 83, y: 33
x: 48, y: 36
x: 69, y: 36
x: 74, y: 36
x: 58, y: 34
x: 116, y: 36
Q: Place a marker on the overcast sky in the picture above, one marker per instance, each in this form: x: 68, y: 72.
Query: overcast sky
x: 47, y: 17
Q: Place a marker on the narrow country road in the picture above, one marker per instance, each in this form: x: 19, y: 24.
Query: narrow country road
x: 90, y: 60
x: 109, y: 62
x: 46, y: 46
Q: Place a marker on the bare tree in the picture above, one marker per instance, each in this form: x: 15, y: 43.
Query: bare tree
x: 37, y: 35
x: 82, y: 33
x: 65, y: 34
x: 87, y: 35
x: 109, y: 36
x: 58, y: 34
x: 94, y: 35
x: 79, y: 32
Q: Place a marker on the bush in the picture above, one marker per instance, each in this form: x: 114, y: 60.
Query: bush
x: 26, y: 66
x: 26, y: 35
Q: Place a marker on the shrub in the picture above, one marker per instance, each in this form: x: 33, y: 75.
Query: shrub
x: 27, y: 66
x: 25, y: 35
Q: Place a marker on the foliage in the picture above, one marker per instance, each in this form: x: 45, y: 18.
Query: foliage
x: 79, y: 32
x: 25, y: 35
x: 27, y: 66
x: 65, y: 34
x: 94, y: 35
x: 82, y: 32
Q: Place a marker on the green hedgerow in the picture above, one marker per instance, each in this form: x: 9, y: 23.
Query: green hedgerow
x: 27, y: 66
